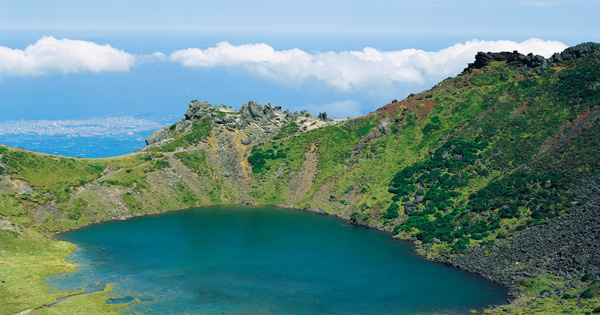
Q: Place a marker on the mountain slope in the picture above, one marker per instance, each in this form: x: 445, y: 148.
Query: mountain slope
x: 484, y: 172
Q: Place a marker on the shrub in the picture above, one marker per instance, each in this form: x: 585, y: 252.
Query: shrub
x: 287, y: 131
x: 587, y: 294
x: 430, y: 127
x: 74, y: 215
x: 160, y: 164
x: 391, y: 212
x: 258, y: 158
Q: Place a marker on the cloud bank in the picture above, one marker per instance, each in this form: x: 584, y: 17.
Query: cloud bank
x: 365, y: 72
x: 50, y: 56
x: 351, y: 71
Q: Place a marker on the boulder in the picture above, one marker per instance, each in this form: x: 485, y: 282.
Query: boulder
x: 158, y: 135
x: 323, y: 117
x: 197, y: 110
x: 251, y: 111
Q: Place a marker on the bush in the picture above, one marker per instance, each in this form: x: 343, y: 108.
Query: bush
x: 392, y: 212
x: 160, y: 164
x: 596, y: 310
x: 287, y: 131
x: 587, y: 294
x: 74, y: 215
x: 258, y: 158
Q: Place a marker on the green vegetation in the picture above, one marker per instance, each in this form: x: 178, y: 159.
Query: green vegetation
x: 27, y: 258
x: 51, y: 174
x: 288, y: 130
x: 536, y: 298
x: 479, y: 169
x: 587, y: 294
x: 161, y: 163
x: 130, y: 172
x: 200, y: 130
x: 490, y: 78
x: 259, y: 158
x: 132, y: 203
x: 331, y: 145
x: 196, y: 160
x: 94, y: 303
x: 392, y: 212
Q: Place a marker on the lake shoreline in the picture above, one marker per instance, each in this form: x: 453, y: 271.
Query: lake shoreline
x: 337, y: 219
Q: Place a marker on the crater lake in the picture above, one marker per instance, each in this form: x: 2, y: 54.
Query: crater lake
x: 264, y: 260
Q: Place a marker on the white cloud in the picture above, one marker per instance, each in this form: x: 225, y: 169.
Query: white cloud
x: 152, y: 58
x: 352, y: 71
x: 357, y: 76
x: 49, y: 56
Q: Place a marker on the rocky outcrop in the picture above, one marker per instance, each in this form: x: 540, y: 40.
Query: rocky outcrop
x: 251, y: 113
x: 581, y: 50
x: 514, y: 58
x: 530, y: 60
x: 323, y: 117
x: 197, y: 110
x: 14, y: 185
x: 567, y: 246
x: 158, y: 135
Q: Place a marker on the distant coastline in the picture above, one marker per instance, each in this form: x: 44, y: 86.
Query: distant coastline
x: 87, y: 138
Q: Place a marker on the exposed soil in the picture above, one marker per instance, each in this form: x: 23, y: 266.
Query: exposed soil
x: 302, y: 181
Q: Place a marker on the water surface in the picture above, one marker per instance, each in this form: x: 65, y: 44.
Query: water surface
x: 265, y: 260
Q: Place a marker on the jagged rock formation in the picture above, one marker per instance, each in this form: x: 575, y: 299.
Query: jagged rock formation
x: 575, y: 52
x: 158, y: 135
x: 514, y: 58
x: 251, y: 113
x: 530, y: 60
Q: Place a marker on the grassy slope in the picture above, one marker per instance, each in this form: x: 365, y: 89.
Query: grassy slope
x: 498, y: 120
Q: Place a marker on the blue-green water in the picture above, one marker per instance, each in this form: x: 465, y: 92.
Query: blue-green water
x: 255, y: 260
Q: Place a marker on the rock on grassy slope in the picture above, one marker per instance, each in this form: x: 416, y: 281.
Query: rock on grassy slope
x: 484, y: 172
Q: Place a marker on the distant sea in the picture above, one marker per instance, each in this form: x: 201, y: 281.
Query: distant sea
x: 79, y: 146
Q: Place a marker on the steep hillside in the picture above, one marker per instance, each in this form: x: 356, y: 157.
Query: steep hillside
x: 494, y: 171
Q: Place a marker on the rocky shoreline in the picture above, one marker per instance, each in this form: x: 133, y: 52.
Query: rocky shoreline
x: 566, y: 246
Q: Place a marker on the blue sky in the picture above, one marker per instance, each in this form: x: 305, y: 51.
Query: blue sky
x: 79, y: 59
